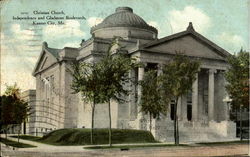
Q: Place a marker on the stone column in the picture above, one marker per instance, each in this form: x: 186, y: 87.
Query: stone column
x: 140, y: 114
x: 195, y: 99
x: 159, y: 69
x: 132, y: 105
x: 211, y: 94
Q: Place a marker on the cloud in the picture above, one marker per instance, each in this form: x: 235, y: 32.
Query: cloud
x: 233, y: 42
x: 154, y: 24
x: 2, y: 36
x: 179, y: 19
x: 19, y: 41
x: 22, y: 77
x: 72, y: 44
x: 17, y: 69
x: 21, y: 34
x: 70, y: 29
x: 18, y: 55
x: 92, y: 21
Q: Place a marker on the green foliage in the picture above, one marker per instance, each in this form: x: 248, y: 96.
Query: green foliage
x: 178, y: 76
x: 114, y: 72
x: 87, y: 80
x: 104, y: 79
x: 82, y: 136
x: 13, y: 109
x: 238, y: 79
x: 151, y: 99
x: 12, y: 90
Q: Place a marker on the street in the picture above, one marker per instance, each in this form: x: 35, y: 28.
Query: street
x: 78, y: 151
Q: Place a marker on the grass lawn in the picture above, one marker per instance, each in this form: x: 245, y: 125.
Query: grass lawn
x: 126, y: 147
x: 15, y: 144
x: 226, y: 142
x: 79, y: 136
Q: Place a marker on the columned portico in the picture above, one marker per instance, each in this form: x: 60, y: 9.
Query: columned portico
x: 211, y: 94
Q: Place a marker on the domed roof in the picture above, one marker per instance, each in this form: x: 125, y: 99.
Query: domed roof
x: 123, y: 17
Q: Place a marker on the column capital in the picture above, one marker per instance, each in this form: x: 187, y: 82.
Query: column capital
x: 212, y: 71
x: 160, y: 65
x: 144, y: 64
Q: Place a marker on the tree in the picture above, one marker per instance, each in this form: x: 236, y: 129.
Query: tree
x: 21, y: 112
x: 114, y: 71
x: 151, y: 100
x: 7, y: 113
x: 237, y: 77
x: 177, y: 79
x: 102, y: 81
x: 86, y: 80
x: 14, y: 110
x: 13, y: 91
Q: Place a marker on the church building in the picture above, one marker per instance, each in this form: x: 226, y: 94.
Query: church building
x: 203, y: 116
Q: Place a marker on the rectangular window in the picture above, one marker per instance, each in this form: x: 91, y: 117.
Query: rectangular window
x: 172, y: 109
x: 189, y: 106
x: 52, y: 83
x: 136, y: 84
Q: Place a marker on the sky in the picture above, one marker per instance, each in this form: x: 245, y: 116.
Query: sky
x: 225, y: 22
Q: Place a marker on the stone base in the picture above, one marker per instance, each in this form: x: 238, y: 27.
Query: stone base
x: 195, y: 131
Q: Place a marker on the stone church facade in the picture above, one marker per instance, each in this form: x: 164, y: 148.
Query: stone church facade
x: 203, y: 116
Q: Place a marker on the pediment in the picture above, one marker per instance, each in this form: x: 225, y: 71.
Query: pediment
x: 188, y: 45
x: 45, y: 60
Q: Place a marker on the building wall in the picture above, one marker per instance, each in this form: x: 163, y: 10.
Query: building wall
x: 69, y: 100
x: 29, y: 96
x: 49, y: 116
x: 125, y: 32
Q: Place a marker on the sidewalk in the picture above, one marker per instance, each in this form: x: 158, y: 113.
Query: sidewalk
x: 41, y: 147
x: 52, y: 148
x: 73, y: 151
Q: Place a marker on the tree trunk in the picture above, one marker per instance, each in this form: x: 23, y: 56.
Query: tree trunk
x: 150, y: 122
x: 176, y: 128
x: 19, y: 130
x: 175, y: 137
x: 5, y: 133
x: 110, y: 131
x: 241, y: 123
x: 92, y: 122
x: 24, y: 127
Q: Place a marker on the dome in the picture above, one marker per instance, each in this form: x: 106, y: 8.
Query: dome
x: 123, y: 17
